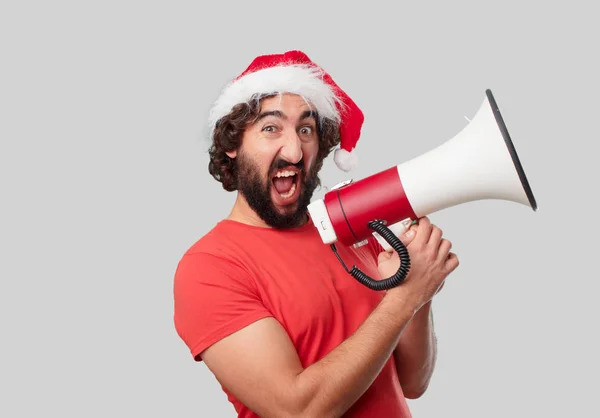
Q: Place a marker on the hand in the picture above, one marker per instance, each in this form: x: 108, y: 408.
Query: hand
x: 430, y: 263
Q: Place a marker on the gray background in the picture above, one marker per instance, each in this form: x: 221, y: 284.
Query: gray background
x: 103, y: 169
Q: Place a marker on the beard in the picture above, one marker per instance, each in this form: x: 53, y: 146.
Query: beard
x: 257, y: 192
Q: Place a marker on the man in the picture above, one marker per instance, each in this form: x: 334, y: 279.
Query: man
x: 263, y: 302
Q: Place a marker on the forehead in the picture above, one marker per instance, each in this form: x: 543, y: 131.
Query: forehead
x: 288, y: 103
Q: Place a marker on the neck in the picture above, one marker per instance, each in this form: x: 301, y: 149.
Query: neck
x: 242, y: 212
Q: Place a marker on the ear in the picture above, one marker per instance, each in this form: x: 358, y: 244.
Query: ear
x: 232, y: 154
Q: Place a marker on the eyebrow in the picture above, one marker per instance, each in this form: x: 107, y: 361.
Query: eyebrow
x: 307, y: 114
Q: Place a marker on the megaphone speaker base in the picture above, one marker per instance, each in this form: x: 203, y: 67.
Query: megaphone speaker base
x: 511, y: 149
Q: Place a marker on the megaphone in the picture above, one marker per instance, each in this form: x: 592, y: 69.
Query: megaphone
x: 480, y: 162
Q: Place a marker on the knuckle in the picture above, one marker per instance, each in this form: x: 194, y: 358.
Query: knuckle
x: 455, y: 260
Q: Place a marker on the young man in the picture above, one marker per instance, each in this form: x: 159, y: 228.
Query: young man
x: 263, y: 302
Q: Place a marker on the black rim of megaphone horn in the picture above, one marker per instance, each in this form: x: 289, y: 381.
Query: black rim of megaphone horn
x: 511, y: 149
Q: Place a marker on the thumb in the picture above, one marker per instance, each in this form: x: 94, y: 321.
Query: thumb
x: 383, y: 256
x: 408, y: 236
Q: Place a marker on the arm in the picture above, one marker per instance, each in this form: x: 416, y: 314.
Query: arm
x: 259, y: 364
x: 416, y: 353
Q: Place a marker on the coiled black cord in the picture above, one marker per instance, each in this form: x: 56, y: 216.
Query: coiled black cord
x: 397, y: 245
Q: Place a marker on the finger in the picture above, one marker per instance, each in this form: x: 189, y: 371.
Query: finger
x: 424, y: 231
x: 408, y: 236
x: 436, y: 235
x: 451, y: 262
x: 444, y: 249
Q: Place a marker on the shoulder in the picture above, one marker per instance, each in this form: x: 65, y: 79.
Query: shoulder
x: 213, y: 257
x: 215, y: 238
x: 224, y: 240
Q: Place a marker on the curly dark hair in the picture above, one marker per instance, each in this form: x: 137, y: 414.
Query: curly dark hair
x: 227, y: 137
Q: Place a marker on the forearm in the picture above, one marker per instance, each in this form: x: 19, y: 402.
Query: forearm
x: 416, y: 353
x: 330, y: 386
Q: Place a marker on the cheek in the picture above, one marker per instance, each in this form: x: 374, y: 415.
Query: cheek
x: 309, y: 162
x: 310, y: 154
x: 263, y: 156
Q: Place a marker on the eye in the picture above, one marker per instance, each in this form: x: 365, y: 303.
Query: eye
x: 269, y: 128
x: 307, y: 130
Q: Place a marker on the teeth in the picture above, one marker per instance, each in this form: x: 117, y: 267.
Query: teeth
x: 285, y: 174
x: 290, y: 193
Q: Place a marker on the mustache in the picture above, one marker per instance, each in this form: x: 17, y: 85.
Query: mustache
x: 280, y: 164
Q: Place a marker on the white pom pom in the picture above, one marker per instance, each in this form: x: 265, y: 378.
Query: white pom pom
x: 345, y: 160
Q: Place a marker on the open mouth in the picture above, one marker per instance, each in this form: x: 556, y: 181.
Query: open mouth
x: 286, y: 182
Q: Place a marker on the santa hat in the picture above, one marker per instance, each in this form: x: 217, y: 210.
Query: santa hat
x: 294, y: 72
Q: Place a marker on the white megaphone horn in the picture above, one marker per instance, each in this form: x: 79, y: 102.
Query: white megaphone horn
x: 479, y: 163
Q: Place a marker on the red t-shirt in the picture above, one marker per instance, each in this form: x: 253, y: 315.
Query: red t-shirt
x: 237, y: 274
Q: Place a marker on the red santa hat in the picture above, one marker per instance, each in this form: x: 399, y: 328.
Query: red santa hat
x: 294, y: 72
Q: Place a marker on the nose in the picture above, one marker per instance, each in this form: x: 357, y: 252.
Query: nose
x: 291, y: 149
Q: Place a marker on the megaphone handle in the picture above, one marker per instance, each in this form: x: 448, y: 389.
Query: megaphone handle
x: 392, y: 239
x: 398, y: 229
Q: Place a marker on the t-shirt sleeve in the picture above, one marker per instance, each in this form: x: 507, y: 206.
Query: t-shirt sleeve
x: 213, y: 298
